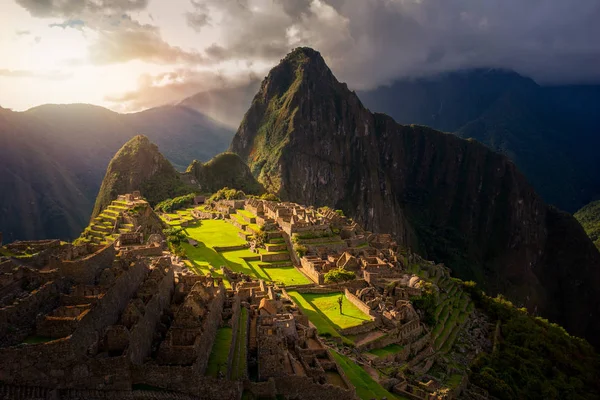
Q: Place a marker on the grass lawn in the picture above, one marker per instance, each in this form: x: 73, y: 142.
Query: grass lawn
x: 328, y: 319
x: 387, y: 350
x: 245, y: 213
x: 327, y: 304
x: 220, y: 351
x: 239, y: 366
x: 319, y: 320
x: 366, y: 387
x: 214, y: 232
x: 210, y: 233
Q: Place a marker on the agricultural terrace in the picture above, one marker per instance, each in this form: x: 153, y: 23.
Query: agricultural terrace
x: 323, y: 311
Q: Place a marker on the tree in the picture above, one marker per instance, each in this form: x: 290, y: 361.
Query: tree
x: 340, y: 301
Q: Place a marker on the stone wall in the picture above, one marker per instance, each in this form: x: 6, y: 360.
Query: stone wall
x: 360, y: 304
x: 153, y: 250
x: 180, y: 379
x: 235, y: 324
x: 298, y: 387
x: 220, y: 249
x: 142, y: 333
x: 85, y: 270
x: 274, y: 257
x: 366, y: 326
x: 24, y: 310
x: 210, y: 325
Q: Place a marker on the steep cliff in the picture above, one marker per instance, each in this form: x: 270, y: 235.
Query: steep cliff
x: 310, y: 139
x: 139, y: 165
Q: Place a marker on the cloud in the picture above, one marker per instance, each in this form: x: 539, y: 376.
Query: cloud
x: 130, y: 40
x: 22, y: 33
x: 198, y: 18
x: 71, y: 23
x: 69, y: 8
x: 49, y: 75
x: 223, y: 97
x: 368, y: 43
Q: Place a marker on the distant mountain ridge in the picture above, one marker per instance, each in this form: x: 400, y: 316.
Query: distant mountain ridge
x: 53, y: 159
x: 308, y: 138
x: 551, y: 133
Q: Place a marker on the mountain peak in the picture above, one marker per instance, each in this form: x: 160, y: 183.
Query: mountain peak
x: 139, y: 165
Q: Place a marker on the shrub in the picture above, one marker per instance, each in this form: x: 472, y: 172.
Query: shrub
x: 171, y: 205
x: 300, y: 249
x: 339, y: 275
x: 269, y: 197
x: 227, y: 194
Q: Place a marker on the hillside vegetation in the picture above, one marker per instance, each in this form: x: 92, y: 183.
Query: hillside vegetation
x: 589, y: 218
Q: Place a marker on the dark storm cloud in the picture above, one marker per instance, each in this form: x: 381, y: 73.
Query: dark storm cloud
x: 68, y: 8
x: 370, y: 42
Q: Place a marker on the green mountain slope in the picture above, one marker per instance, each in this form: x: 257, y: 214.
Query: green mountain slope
x: 224, y: 170
x: 139, y: 165
x: 310, y: 139
x: 589, y: 218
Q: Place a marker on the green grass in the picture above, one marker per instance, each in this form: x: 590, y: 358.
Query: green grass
x: 387, y: 350
x: 246, y: 213
x: 323, y: 312
x: 366, y: 387
x: 220, y: 351
x: 214, y: 232
x: 327, y: 304
x: 239, y: 356
x: 37, y: 339
x: 211, y: 233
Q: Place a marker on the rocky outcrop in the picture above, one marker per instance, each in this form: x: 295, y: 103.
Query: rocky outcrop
x: 310, y: 139
x: 139, y: 166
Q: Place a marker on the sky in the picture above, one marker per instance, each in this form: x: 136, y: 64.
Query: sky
x: 128, y: 55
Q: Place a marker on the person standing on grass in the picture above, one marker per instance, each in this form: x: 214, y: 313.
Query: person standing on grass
x: 340, y: 300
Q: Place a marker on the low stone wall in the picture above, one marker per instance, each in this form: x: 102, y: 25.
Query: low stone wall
x: 366, y: 326
x: 276, y: 247
x: 86, y: 269
x: 251, y: 258
x: 243, y: 235
x: 220, y: 249
x: 327, y: 239
x: 318, y: 290
x: 360, y: 304
x: 274, y: 257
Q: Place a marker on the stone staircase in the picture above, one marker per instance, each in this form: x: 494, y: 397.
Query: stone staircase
x: 106, y: 227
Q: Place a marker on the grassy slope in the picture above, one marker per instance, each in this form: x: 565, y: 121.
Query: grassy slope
x: 366, y: 387
x: 589, y: 218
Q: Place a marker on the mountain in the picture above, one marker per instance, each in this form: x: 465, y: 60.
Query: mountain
x: 226, y: 105
x: 224, y: 170
x: 549, y: 132
x: 139, y: 165
x: 53, y: 159
x: 308, y: 138
x: 589, y: 218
